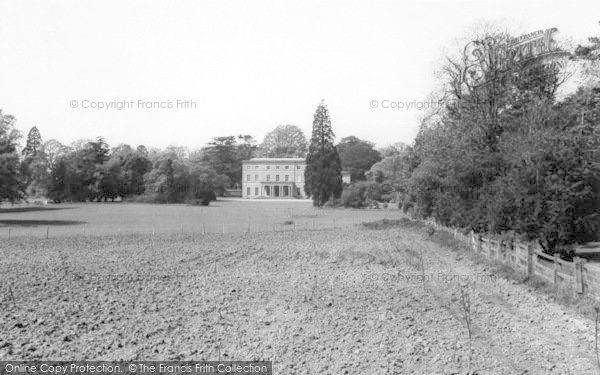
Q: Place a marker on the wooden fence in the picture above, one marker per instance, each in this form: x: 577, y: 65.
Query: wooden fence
x: 579, y: 275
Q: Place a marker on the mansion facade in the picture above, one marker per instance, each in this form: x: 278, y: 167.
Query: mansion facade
x: 273, y: 178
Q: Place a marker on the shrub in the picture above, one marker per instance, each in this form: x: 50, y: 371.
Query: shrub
x: 198, y: 202
x: 362, y: 194
x: 390, y: 197
x: 333, y: 203
x: 146, y: 198
x: 351, y: 197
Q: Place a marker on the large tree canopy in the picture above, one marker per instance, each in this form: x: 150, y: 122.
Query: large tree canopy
x: 11, y: 185
x: 225, y: 155
x: 357, y: 156
x: 285, y: 141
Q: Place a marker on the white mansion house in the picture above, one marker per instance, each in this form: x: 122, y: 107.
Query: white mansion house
x: 273, y: 178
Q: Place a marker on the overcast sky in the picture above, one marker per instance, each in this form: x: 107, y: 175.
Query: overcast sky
x: 247, y: 65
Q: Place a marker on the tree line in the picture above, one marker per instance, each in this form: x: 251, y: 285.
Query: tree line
x: 505, y: 154
x: 90, y: 170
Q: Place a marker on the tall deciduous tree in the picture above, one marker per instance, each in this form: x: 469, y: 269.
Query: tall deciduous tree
x: 10, y: 179
x: 54, y: 150
x: 134, y: 167
x: 221, y: 154
x: 323, y: 174
x: 357, y: 156
x: 246, y: 148
x: 285, y: 141
x: 225, y: 155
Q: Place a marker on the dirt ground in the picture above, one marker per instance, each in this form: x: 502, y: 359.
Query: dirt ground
x: 346, y: 301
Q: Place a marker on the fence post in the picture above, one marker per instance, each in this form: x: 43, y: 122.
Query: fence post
x: 529, y: 260
x: 499, y: 251
x: 47, y: 231
x: 578, y: 263
x: 513, y: 252
x: 556, y: 266
x: 9, y: 233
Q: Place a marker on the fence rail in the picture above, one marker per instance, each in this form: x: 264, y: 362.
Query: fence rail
x: 528, y: 258
x: 238, y: 225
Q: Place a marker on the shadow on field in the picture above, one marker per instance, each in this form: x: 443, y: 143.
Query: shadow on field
x: 32, y: 209
x: 35, y: 223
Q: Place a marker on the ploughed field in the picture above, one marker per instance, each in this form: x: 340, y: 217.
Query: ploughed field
x: 351, y: 300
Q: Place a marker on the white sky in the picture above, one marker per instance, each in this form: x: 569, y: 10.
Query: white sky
x: 249, y: 65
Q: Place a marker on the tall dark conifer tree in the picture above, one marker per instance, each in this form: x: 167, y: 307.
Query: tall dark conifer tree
x: 34, y: 144
x: 323, y: 174
x: 34, y: 166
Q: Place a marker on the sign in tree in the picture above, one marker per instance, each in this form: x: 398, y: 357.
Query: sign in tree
x: 323, y: 174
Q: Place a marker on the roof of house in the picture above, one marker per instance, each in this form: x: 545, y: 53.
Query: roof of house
x: 275, y: 160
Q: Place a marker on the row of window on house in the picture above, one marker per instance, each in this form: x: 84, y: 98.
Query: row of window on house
x: 275, y: 191
x: 286, y: 178
x: 276, y: 167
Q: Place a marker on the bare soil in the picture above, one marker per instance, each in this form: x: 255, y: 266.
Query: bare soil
x: 346, y: 301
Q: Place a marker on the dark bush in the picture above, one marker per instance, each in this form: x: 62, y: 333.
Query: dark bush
x: 333, y: 203
x: 362, y: 194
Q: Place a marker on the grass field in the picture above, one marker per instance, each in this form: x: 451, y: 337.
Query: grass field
x: 230, y: 216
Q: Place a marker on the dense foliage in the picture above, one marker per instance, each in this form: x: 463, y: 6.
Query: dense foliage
x: 507, y: 155
x: 11, y: 184
x: 362, y: 194
x: 357, y: 156
x: 89, y: 170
